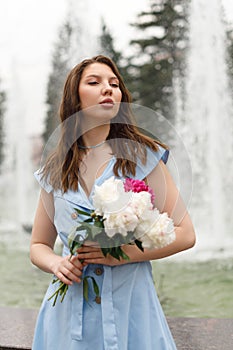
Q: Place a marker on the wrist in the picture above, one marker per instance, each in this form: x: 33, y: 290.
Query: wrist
x: 54, y: 262
x: 134, y: 254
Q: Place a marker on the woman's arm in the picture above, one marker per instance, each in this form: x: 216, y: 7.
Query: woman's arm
x: 42, y: 244
x: 167, y: 199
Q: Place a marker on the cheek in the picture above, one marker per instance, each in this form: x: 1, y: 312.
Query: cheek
x: 86, y: 97
x: 119, y: 96
x: 81, y: 93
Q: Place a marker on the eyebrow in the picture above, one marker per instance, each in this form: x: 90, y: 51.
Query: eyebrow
x: 98, y: 76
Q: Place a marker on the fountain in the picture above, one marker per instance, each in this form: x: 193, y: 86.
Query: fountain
x: 205, y: 125
x: 19, y: 191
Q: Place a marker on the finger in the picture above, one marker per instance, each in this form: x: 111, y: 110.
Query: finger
x: 75, y: 260
x: 63, y: 278
x: 71, y: 270
x: 87, y: 249
x: 72, y: 275
x: 110, y: 261
x: 92, y: 255
x: 76, y: 267
x: 100, y: 261
x: 91, y: 244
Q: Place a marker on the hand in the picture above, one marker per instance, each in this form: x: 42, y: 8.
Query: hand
x: 93, y: 255
x: 68, y: 270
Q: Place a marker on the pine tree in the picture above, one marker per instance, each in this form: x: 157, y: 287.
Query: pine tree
x: 107, y: 48
x: 230, y: 56
x: 60, y: 68
x: 2, y: 112
x: 72, y: 45
x: 160, y: 54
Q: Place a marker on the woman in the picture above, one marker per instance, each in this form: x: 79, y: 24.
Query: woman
x: 98, y: 141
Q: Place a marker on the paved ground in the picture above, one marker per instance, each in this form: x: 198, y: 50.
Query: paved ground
x: 16, y: 331
x: 202, y: 333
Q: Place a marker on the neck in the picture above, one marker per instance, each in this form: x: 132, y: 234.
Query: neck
x: 95, y: 137
x: 93, y: 146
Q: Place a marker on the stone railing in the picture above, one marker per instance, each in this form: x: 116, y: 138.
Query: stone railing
x: 17, y: 325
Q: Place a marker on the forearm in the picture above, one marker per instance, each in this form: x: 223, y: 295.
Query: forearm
x: 183, y: 241
x: 44, y: 257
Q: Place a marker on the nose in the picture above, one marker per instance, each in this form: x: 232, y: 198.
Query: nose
x: 107, y: 89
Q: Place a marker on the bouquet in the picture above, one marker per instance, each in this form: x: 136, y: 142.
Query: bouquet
x: 123, y: 214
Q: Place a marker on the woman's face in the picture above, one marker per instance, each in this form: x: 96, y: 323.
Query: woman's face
x: 99, y: 91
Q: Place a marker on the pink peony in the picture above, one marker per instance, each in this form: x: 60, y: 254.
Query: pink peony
x: 138, y: 186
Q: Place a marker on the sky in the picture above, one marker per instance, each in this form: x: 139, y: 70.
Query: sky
x: 28, y: 30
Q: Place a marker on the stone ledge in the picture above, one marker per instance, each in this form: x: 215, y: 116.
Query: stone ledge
x: 17, y: 326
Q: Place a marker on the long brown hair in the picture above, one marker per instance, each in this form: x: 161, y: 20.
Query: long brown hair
x: 61, y: 168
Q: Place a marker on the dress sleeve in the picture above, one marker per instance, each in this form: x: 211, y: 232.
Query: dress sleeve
x: 153, y: 159
x: 43, y: 182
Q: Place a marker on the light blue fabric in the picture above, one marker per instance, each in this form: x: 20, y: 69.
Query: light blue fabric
x: 129, y: 317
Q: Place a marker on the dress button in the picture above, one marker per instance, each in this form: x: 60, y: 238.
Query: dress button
x: 98, y: 300
x: 74, y: 215
x: 98, y: 271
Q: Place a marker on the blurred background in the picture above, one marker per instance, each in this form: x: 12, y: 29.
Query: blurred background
x: 176, y: 57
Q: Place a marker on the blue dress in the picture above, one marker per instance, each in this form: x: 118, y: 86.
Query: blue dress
x: 128, y: 316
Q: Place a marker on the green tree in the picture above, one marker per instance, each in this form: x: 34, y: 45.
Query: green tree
x: 230, y: 56
x: 159, y: 54
x: 2, y: 112
x: 107, y: 48
x: 60, y: 68
x: 71, y: 46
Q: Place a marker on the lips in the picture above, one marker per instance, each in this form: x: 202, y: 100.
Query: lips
x: 107, y: 102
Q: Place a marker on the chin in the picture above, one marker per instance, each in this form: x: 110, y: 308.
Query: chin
x: 100, y: 114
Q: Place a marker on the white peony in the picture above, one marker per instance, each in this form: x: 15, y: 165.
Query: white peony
x: 125, y: 212
x: 146, y: 222
x: 156, y: 231
x: 110, y: 197
x: 122, y: 222
x: 140, y: 203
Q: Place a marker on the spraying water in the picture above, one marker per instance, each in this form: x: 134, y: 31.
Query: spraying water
x: 18, y: 190
x: 206, y: 127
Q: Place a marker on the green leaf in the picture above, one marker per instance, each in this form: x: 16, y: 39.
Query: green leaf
x: 85, y: 289
x: 95, y: 286
x: 55, y: 280
x: 104, y: 241
x: 95, y: 231
x: 114, y: 252
x: 81, y: 212
x: 123, y: 255
x: 62, y: 289
x: 63, y: 293
x: 75, y: 243
x: 88, y: 220
x: 105, y: 251
x: 74, y: 248
x: 98, y: 224
x: 82, y: 227
x: 139, y: 245
x: 129, y: 236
